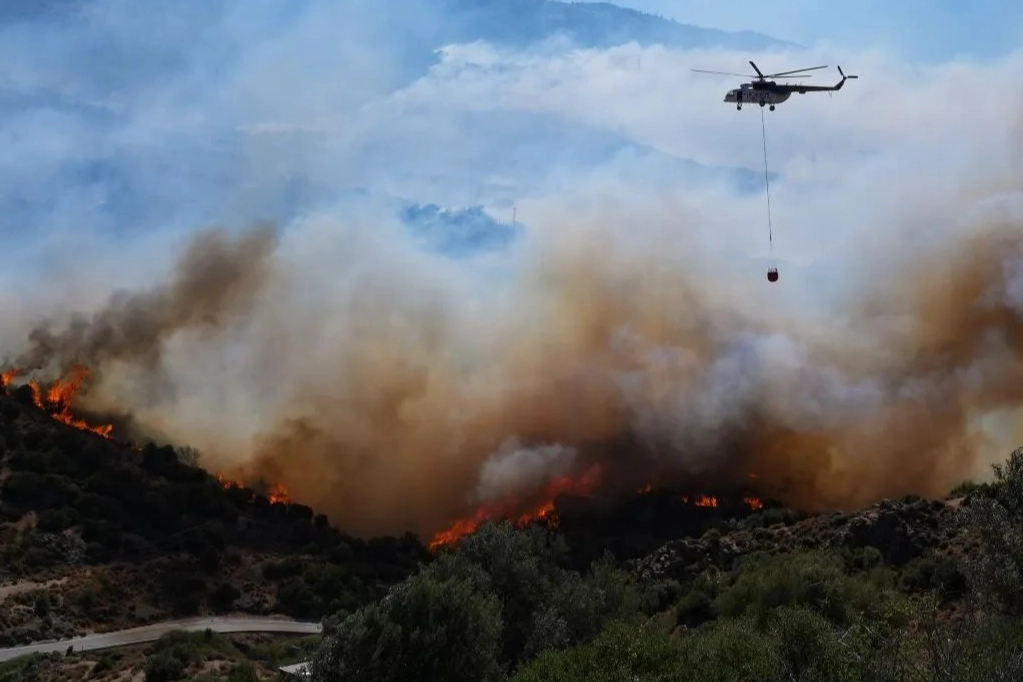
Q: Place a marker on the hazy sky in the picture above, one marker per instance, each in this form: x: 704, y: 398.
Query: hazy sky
x: 137, y: 127
x: 924, y: 29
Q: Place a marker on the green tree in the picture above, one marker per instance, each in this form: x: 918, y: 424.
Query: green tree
x: 620, y: 652
x: 243, y: 672
x: 807, y: 646
x: 543, y: 604
x: 967, y: 646
x: 814, y: 579
x: 995, y: 518
x: 42, y: 605
x: 163, y: 667
x: 730, y: 650
x: 424, y: 630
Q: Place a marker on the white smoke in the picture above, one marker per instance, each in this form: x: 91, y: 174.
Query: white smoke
x: 515, y: 468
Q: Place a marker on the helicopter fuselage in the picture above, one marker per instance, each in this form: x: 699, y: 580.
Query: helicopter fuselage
x: 759, y: 94
x: 767, y: 92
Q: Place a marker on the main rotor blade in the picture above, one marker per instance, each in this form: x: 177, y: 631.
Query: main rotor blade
x: 782, y: 73
x: 724, y: 73
x: 809, y: 75
x: 756, y: 69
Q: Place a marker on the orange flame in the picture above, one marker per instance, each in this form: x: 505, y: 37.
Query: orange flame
x: 544, y: 511
x: 61, y: 394
x: 7, y: 375
x: 277, y: 494
x: 226, y: 483
x: 59, y: 397
x: 701, y: 500
x: 753, y: 503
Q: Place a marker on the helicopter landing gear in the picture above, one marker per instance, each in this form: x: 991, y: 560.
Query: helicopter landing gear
x: 738, y: 107
x: 771, y: 107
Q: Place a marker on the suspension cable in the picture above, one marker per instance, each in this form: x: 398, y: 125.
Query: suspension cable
x: 767, y: 184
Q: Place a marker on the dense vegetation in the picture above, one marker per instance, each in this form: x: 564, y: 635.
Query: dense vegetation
x: 908, y: 590
x: 507, y: 605
x: 150, y: 523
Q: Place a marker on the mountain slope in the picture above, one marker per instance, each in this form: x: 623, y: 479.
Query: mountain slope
x: 520, y: 23
x: 513, y: 23
x: 137, y: 534
x: 478, y: 156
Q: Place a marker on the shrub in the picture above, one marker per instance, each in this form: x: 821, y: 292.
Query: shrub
x: 223, y: 597
x: 815, y: 580
x: 243, y: 672
x: 444, y: 630
x: 996, y: 520
x: 728, y: 650
x: 941, y: 575
x: 163, y: 668
x: 287, y: 568
x: 543, y: 604
x: 697, y: 606
x: 56, y: 520
x: 620, y: 652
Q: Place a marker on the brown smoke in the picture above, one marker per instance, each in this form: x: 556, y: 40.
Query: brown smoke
x: 395, y: 410
x: 649, y: 370
x: 215, y: 280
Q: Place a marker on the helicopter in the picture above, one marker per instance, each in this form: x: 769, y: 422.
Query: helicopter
x: 766, y: 92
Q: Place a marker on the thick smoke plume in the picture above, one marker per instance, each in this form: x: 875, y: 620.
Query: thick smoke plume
x: 660, y: 374
x: 215, y: 280
x: 400, y: 408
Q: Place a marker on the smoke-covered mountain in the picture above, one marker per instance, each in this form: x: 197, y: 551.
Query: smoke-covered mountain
x: 477, y: 156
x: 523, y: 24
x: 423, y: 26
x: 520, y: 23
x: 139, y: 139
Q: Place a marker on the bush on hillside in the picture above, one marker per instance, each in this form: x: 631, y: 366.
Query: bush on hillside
x: 541, y: 604
x: 544, y: 604
x: 619, y: 652
x: 442, y: 629
x: 816, y: 580
x: 996, y: 520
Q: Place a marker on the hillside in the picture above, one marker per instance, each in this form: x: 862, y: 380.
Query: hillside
x: 520, y: 23
x: 102, y: 520
x: 908, y: 589
x: 99, y: 535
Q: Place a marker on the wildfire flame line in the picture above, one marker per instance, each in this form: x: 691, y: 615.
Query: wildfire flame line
x: 59, y: 397
x: 278, y: 493
x: 545, y: 511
